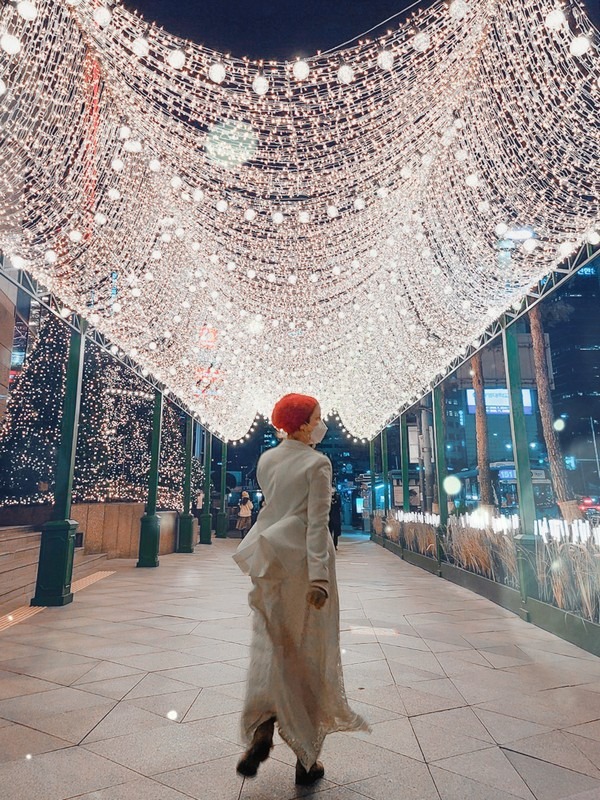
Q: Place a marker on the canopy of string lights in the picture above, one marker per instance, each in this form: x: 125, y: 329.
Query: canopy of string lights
x: 342, y: 226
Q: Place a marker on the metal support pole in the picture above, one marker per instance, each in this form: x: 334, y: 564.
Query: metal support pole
x: 439, y: 435
x: 55, y: 568
x: 405, y: 462
x: 185, y: 540
x: 150, y: 522
x: 222, y: 516
x: 385, y: 471
x: 206, y: 518
x: 525, y: 541
x: 372, y: 470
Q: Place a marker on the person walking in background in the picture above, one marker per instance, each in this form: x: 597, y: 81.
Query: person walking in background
x: 245, y: 514
x: 335, y: 517
x: 295, y: 673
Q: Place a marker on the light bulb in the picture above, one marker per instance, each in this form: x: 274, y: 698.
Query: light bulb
x: 345, y: 74
x: 216, y: 72
x: 176, y: 59
x: 249, y: 215
x: 421, y: 42
x: 75, y: 236
x: 555, y: 19
x: 10, y: 44
x: 385, y: 60
x: 579, y: 45
x: 154, y: 165
x: 50, y: 257
x: 27, y: 10
x: 100, y: 218
x: 458, y: 9
x: 141, y: 47
x: 301, y: 70
x: 102, y: 16
x: 2, y: 88
x: 222, y: 206
x: 359, y: 204
x: 260, y: 85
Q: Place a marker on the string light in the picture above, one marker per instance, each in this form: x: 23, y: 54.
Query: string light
x: 358, y: 193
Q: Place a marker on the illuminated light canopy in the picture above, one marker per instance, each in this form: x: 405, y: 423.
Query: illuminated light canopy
x: 365, y: 205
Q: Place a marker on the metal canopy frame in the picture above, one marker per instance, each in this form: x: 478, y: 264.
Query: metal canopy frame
x: 556, y: 279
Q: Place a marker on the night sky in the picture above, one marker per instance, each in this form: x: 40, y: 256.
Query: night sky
x: 279, y: 29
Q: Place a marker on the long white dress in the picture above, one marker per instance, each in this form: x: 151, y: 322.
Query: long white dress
x: 295, y: 671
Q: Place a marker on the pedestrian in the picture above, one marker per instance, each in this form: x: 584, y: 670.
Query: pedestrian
x: 244, y: 522
x: 295, y: 673
x: 335, y: 517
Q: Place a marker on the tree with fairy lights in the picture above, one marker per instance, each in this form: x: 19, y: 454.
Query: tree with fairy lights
x: 172, y: 459
x: 30, y: 432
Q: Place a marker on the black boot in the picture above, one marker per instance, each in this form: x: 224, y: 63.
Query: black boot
x: 259, y: 750
x: 306, y: 777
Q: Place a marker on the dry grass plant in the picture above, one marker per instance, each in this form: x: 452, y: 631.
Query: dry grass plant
x: 568, y: 576
x: 483, y: 551
x: 420, y: 538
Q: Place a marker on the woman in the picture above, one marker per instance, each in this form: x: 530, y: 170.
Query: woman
x: 244, y: 514
x: 295, y: 674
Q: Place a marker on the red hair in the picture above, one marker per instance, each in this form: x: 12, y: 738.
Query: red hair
x: 292, y: 411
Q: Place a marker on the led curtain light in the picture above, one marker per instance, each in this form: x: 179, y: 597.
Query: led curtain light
x: 342, y: 226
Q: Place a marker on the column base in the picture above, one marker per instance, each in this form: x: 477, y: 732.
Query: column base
x: 222, y: 525
x: 206, y: 529
x: 185, y: 538
x: 55, y: 569
x: 149, y: 541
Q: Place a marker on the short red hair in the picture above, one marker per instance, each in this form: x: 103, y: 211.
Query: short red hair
x: 292, y: 411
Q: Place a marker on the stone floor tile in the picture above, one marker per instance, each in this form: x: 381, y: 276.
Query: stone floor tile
x: 396, y: 735
x: 369, y: 674
x: 161, y: 660
x: 123, y: 719
x: 156, y: 683
x: 74, y: 725
x: 556, y: 748
x: 212, y: 703
x: 386, y: 697
x: 590, y: 730
x: 141, y: 789
x: 589, y: 747
x: 409, y: 781
x: 437, y: 743
x: 114, y: 688
x: 16, y: 741
x: 505, y: 729
x: 27, y: 708
x: 456, y: 787
x: 419, y: 701
x: 61, y: 774
x: 163, y: 748
x: 171, y: 703
x: 206, y: 675
x: 106, y: 670
x: 57, y: 667
x: 550, y: 782
x: 490, y: 767
x: 14, y: 685
x: 219, y: 775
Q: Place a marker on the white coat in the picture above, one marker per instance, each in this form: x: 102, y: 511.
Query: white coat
x: 295, y: 671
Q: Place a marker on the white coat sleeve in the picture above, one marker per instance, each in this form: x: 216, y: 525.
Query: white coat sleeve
x: 317, y: 536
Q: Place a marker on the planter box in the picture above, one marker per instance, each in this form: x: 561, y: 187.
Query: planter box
x: 419, y: 560
x: 502, y: 595
x: 574, y: 629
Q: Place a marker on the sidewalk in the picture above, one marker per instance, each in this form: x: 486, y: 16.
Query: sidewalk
x: 133, y: 692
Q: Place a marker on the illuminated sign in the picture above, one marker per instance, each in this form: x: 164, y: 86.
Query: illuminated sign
x: 497, y: 401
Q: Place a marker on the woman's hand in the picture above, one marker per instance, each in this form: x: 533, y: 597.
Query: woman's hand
x: 316, y: 597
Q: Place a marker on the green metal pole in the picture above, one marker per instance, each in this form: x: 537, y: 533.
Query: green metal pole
x: 55, y: 568
x: 185, y: 540
x: 150, y: 522
x: 404, y: 456
x: 525, y: 541
x: 222, y: 516
x: 439, y: 435
x: 206, y: 518
x: 385, y: 470
x: 372, y: 469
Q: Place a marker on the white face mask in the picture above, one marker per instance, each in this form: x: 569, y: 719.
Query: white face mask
x: 318, y: 432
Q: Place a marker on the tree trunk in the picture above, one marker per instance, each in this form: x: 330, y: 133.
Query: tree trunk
x: 563, y: 492
x: 427, y: 463
x: 486, y: 495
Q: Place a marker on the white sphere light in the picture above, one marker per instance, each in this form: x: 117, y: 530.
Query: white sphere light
x: 529, y: 245
x: 75, y: 236
x: 154, y: 165
x: 222, y: 206
x: 458, y: 9
x: 579, y: 45
x: 176, y: 59
x: 10, y: 44
x: 100, y: 218
x: 593, y: 237
x: 27, y: 10
x: 303, y: 217
x: 500, y: 229
x: 133, y: 146
x: 277, y: 217
x: 102, y: 16
x: 50, y: 257
x: 249, y: 215
x: 421, y: 42
x: 2, y: 88
x: 301, y: 70
x: 345, y: 74
x: 559, y: 424
x: 359, y: 204
x: 452, y: 485
x: 117, y: 164
x: 385, y: 60
x: 217, y: 72
x: 260, y: 85
x: 555, y: 19
x: 141, y: 46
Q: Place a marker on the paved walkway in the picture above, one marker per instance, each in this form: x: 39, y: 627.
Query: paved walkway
x: 133, y: 692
